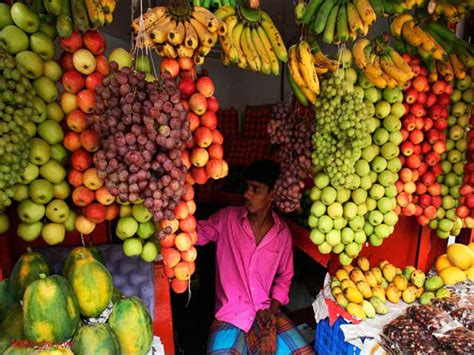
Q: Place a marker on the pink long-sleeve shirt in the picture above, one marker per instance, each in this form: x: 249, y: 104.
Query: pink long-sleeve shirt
x: 248, y: 276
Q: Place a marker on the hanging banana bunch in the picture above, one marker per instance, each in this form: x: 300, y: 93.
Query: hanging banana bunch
x: 179, y: 31
x: 381, y: 64
x: 252, y: 41
x: 451, y: 12
x: 212, y: 4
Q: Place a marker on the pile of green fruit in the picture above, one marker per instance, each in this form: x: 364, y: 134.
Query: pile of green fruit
x: 344, y: 218
x: 41, y: 188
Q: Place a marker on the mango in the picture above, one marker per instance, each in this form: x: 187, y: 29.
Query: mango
x: 409, y: 295
x: 364, y: 288
x: 363, y: 263
x: 433, y: 283
x: 341, y: 300
x: 389, y: 271
x: 418, y: 278
x: 384, y: 283
x: 419, y: 291
x: 348, y: 268
x: 357, y: 275
x: 335, y: 291
x: 442, y: 263
x: 356, y: 311
x: 342, y: 274
x: 426, y: 298
x: 353, y: 295
x: 370, y: 278
x: 368, y: 309
x: 442, y: 293
x: 400, y: 282
x: 398, y: 271
x: 470, y: 273
x: 408, y: 270
x: 452, y: 275
x: 379, y: 292
x: 460, y: 255
x: 347, y: 283
x: 393, y: 294
x: 377, y: 273
x: 471, y: 246
x: 379, y: 305
x: 383, y: 263
x: 335, y: 283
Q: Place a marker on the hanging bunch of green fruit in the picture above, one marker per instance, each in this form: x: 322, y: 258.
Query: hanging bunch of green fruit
x: 337, y: 21
x: 252, y: 40
x: 212, y: 4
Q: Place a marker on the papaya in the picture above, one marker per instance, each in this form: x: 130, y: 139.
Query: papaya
x: 51, y: 312
x: 133, y: 326
x: 55, y: 350
x: 26, y: 270
x: 12, y: 325
x: 92, y: 285
x: 80, y: 253
x: 95, y: 339
x: 6, y: 298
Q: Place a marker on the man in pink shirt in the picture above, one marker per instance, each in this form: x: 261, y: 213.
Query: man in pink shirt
x: 254, y: 268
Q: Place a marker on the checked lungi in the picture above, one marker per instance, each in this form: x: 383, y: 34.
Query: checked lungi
x: 225, y: 338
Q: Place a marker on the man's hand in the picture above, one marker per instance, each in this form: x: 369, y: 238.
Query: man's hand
x: 266, y: 318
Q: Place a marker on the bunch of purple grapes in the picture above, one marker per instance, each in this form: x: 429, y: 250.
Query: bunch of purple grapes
x: 292, y: 134
x: 143, y: 127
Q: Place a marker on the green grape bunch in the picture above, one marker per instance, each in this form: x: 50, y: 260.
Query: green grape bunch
x: 342, y: 128
x: 16, y: 110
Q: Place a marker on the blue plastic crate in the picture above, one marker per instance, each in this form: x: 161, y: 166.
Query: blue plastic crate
x: 330, y: 340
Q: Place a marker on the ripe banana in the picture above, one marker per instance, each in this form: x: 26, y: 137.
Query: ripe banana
x: 293, y: 66
x: 365, y: 10
x: 206, y: 18
x: 249, y: 51
x: 205, y: 36
x: 176, y: 36
x: 191, y: 40
x: 358, y: 52
x: 398, y: 22
x: 306, y: 66
x: 275, y: 65
x: 261, y: 51
x: 149, y: 18
x: 159, y: 32
x: 275, y: 38
x: 224, y: 12
x: 356, y: 24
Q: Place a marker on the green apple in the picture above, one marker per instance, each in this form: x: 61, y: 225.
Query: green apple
x: 126, y: 227
x: 61, y: 190
x: 382, y: 109
x: 335, y: 210
x: 385, y: 178
x: 316, y: 236
x: 141, y: 213
x: 392, y: 123
x: 380, y: 136
x: 362, y: 167
x: 54, y: 112
x: 357, y: 223
x: 21, y: 193
x: 132, y: 247
x: 454, y: 156
x: 14, y: 39
x: 382, y: 231
x: 359, y: 236
x: 125, y: 211
x: 396, y: 138
x: 314, y: 193
x: 40, y: 107
x: 325, y: 224
x: 30, y: 173
x: 350, y: 75
x: 29, y: 64
x: 52, y: 70
x: 353, y: 181
x: 350, y: 210
x: 394, y: 165
x: 53, y: 171
x: 30, y: 128
x: 24, y: 17
x: 375, y: 218
x: 59, y: 153
x: 149, y: 252
x: 142, y: 63
x: 379, y: 164
x: 145, y: 230
x: 375, y: 241
x: 369, y: 153
x: 48, y: 29
x: 468, y: 95
x: 328, y: 195
x: 343, y: 195
x: 318, y: 208
x: 347, y: 235
x: 377, y: 191
x: 333, y: 238
x: 390, y: 218
x: 51, y: 132
x: 384, y: 205
x: 456, y: 95
x: 365, y: 182
x: 5, y: 17
x: 339, y: 223
x: 57, y: 211
x: 40, y: 151
x: 42, y: 45
x: 442, y: 234
x: 368, y: 228
x: 371, y: 95
x: 69, y: 223
x: 313, y: 222
x: 359, y: 196
x: 53, y: 233
x: 464, y: 84
x: 363, y: 82
x: 352, y: 250
x: 30, y: 212
x: 321, y: 180
x: 389, y: 151
x: 461, y: 145
x: 463, y: 121
x: 121, y: 56
x: 41, y: 191
x: 4, y: 221
x: 324, y: 248
x: 391, y: 95
x: 46, y: 89
x: 344, y: 259
x: 29, y: 231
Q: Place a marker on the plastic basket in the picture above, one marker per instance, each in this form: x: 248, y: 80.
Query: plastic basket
x: 330, y: 340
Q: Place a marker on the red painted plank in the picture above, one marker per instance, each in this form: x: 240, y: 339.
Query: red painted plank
x: 163, y: 319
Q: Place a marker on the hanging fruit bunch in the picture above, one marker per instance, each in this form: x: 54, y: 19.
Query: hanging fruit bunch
x: 79, y: 15
x: 252, y: 40
x: 304, y: 66
x: 381, y: 64
x: 337, y: 21
x: 179, y: 31
x: 291, y: 128
x: 451, y: 11
x: 392, y: 7
x: 212, y: 4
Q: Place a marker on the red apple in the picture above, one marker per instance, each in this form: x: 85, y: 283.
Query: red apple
x: 417, y: 109
x: 435, y: 112
x: 72, y: 43
x: 170, y: 66
x: 414, y: 161
x: 187, y: 87
x: 425, y: 147
x: 82, y: 196
x: 65, y: 61
x: 72, y: 81
x: 102, y: 65
x: 421, y: 188
x: 421, y: 98
x: 95, y: 42
x: 77, y: 121
x: 425, y: 200
x: 462, y: 211
x: 86, y: 101
x: 420, y: 83
x: 423, y: 220
x: 444, y: 100
x: 411, y: 95
x: 430, y: 212
x: 441, y: 124
x: 93, y: 80
x: 205, y: 86
x: 416, y: 136
x: 75, y: 178
x: 435, y: 189
x: 90, y: 141
x: 209, y: 120
x: 212, y: 104
x: 409, y: 122
x: 436, y: 201
x: 95, y: 212
x: 72, y: 141
x: 430, y: 99
x: 428, y: 124
x: 439, y: 147
x: 466, y: 189
x: 81, y: 159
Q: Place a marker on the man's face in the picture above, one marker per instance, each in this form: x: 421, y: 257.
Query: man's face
x: 257, y: 196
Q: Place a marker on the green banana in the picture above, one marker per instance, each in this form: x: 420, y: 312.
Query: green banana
x: 310, y: 10
x: 330, y: 29
x: 319, y: 23
x: 53, y: 7
x: 64, y: 24
x: 196, y: 3
x: 38, y: 6
x: 224, y: 12
x: 388, y: 7
x: 446, y: 44
x: 206, y: 3
x: 252, y: 16
x: 296, y: 90
x: 464, y: 56
x: 377, y: 5
x: 79, y: 15
x: 342, y: 29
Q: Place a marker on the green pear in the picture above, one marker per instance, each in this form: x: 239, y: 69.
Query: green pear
x: 21, y: 192
x: 132, y: 247
x: 46, y: 89
x: 41, y: 191
x: 14, y: 39
x: 57, y: 211
x: 69, y: 224
x: 29, y: 231
x: 48, y: 29
x: 30, y: 212
x: 43, y: 45
x: 5, y: 17
x: 30, y: 173
x: 24, y: 17
x: 61, y: 190
x: 126, y: 227
x: 52, y: 70
x: 53, y: 233
x: 141, y: 213
x: 149, y: 252
x: 59, y: 153
x: 29, y: 64
x: 51, y: 132
x: 145, y: 230
x: 40, y: 107
x: 53, y: 171
x: 4, y: 223
x: 40, y: 151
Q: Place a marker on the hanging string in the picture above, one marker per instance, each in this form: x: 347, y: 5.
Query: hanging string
x: 189, y: 293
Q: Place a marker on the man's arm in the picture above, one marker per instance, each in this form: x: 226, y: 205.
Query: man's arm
x: 209, y: 230
x: 281, y: 284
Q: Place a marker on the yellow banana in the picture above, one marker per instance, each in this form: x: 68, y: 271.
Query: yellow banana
x: 457, y: 67
x: 249, y: 50
x: 372, y: 71
x: 294, y: 67
x: 198, y: 60
x: 226, y: 40
x: 108, y: 6
x: 149, y: 18
x: 323, y: 61
x: 184, y: 52
x: 159, y: 50
x: 206, y: 18
x: 169, y: 51
x: 275, y: 37
x: 222, y: 30
x: 321, y: 70
x: 109, y: 18
x: 309, y: 94
x: 353, y: 19
x: 224, y: 12
x: 398, y: 22
x: 365, y: 10
x: 95, y: 12
x: 225, y: 59
x: 159, y: 32
x: 262, y: 53
x: 215, y: 38
x: 392, y: 70
x: 439, y: 53
x: 445, y: 69
x: 409, y: 34
x: 378, y: 81
x: 275, y: 65
x: 306, y: 66
x: 398, y: 60
x: 205, y: 36
x: 358, y: 52
x: 433, y: 75
x: 236, y: 40
x: 191, y: 40
x: 203, y: 50
x: 177, y: 35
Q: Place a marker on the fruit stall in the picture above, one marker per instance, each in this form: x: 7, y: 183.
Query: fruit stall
x: 123, y: 123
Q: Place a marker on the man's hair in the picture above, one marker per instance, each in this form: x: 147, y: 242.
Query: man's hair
x: 264, y: 171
